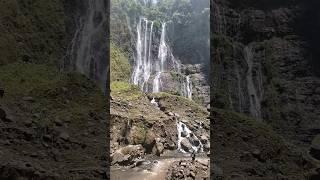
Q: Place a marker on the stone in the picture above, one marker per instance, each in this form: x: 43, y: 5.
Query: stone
x: 127, y: 155
x: 3, y: 114
x: 186, y: 145
x: 58, y: 122
x: 65, y: 136
x: 28, y: 123
x: 160, y: 148
x: 28, y: 98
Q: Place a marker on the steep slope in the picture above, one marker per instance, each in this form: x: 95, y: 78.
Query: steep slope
x: 52, y: 124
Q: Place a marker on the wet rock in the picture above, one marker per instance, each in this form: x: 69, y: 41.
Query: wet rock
x: 204, y: 139
x: 186, y: 145
x: 127, y: 155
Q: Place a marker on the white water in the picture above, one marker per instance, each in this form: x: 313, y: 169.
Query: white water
x: 255, y: 106
x: 183, y: 129
x: 87, y: 50
x: 189, y: 87
x: 148, y: 65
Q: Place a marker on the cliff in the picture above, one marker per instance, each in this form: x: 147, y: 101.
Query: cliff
x: 264, y: 65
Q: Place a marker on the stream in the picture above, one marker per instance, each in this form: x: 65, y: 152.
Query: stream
x: 156, y: 172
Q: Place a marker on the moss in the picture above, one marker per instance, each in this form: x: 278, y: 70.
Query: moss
x: 120, y: 67
x: 125, y: 90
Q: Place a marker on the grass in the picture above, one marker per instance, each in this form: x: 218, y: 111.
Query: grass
x: 56, y: 95
x: 125, y: 90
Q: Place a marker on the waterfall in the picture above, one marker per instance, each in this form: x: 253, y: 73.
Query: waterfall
x: 185, y: 134
x: 162, y: 56
x: 87, y: 52
x: 255, y: 106
x: 142, y: 69
x: 187, y: 87
x: 147, y: 65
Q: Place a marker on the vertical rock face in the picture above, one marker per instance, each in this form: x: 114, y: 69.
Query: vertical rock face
x: 88, y: 49
x: 263, y: 64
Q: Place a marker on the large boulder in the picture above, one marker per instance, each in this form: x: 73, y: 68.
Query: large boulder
x: 186, y: 145
x: 127, y: 155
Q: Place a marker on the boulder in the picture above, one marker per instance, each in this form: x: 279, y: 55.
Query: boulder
x: 149, y: 140
x: 127, y: 155
x: 186, y: 145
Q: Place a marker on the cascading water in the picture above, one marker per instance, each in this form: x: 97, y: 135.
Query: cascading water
x: 147, y: 64
x: 255, y: 107
x: 185, y: 134
x: 162, y: 56
x: 87, y: 52
x: 143, y: 69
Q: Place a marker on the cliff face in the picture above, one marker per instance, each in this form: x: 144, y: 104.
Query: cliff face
x: 264, y: 63
x: 49, y: 124
x: 87, y: 36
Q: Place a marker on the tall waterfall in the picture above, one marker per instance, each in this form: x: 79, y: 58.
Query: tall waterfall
x: 162, y: 56
x: 255, y: 106
x: 143, y: 69
x: 149, y: 67
x: 87, y: 53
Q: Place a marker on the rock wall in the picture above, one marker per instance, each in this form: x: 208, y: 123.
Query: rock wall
x: 264, y: 64
x: 88, y: 34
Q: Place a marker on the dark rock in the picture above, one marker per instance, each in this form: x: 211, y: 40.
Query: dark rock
x: 3, y: 114
x: 315, y: 147
x: 186, y: 145
x: 1, y: 93
x: 28, y: 98
x: 64, y: 135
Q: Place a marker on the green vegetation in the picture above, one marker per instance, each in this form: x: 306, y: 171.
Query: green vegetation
x: 32, y: 31
x: 54, y: 95
x: 125, y: 90
x: 119, y: 64
x: 184, y: 18
x: 180, y: 104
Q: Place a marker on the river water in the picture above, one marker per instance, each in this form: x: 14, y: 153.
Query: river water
x: 157, y: 172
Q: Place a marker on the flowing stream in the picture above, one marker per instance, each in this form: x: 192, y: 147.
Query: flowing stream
x: 156, y: 171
